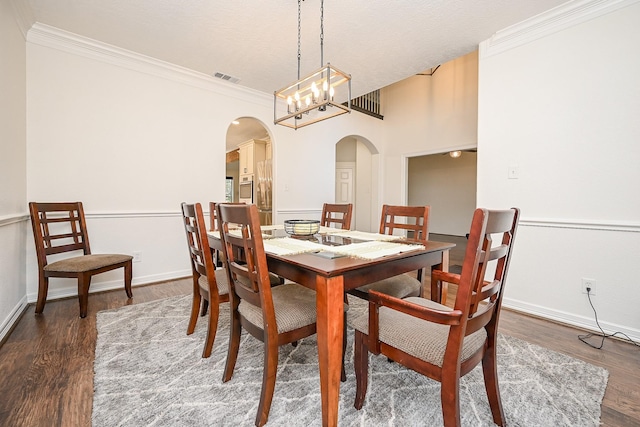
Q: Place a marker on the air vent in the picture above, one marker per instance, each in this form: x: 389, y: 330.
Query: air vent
x: 226, y: 77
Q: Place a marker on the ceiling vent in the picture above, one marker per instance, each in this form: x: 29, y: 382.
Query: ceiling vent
x: 226, y: 77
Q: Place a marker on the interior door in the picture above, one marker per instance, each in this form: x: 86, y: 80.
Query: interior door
x: 344, y: 187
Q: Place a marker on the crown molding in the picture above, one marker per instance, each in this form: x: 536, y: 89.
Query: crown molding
x: 55, y: 38
x: 24, y: 16
x: 549, y: 22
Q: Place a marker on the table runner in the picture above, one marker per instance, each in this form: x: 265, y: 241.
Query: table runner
x: 290, y: 246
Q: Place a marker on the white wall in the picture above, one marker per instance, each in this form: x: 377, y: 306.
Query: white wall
x: 426, y: 115
x: 563, y: 105
x: 448, y: 186
x: 13, y: 223
x: 133, y: 137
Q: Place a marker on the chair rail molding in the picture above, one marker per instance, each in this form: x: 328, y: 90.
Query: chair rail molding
x: 13, y: 218
x: 52, y: 37
x: 132, y: 214
x: 557, y: 19
x: 605, y: 225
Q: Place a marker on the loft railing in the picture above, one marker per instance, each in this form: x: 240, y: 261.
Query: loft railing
x: 368, y: 104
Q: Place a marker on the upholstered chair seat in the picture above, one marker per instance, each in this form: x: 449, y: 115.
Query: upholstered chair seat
x: 294, y: 305
x: 421, y: 339
x: 221, y: 280
x: 401, y: 286
x: 84, y: 263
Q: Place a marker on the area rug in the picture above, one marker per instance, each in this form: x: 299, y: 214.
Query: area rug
x: 148, y: 372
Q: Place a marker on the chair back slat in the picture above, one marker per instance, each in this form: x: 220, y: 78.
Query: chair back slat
x: 409, y: 218
x: 482, y: 295
x: 198, y: 244
x: 243, y: 251
x: 338, y: 215
x: 58, y: 228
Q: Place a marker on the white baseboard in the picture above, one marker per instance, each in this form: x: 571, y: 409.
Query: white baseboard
x: 570, y: 319
x: 72, y: 291
x: 13, y: 317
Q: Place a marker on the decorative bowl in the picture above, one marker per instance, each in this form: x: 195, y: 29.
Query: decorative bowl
x: 301, y: 227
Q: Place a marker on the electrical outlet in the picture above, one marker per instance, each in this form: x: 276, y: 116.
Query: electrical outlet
x: 137, y: 256
x: 589, y: 283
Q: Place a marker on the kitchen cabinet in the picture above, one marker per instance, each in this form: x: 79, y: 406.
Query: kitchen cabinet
x: 251, y: 152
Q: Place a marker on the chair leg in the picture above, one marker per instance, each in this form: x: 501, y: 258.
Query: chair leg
x: 450, y: 395
x: 195, y: 307
x: 343, y: 372
x: 84, y: 281
x: 205, y: 307
x: 212, y: 327
x: 490, y: 372
x: 268, y: 381
x: 361, y: 365
x: 234, y: 342
x: 43, y: 288
x: 128, y: 274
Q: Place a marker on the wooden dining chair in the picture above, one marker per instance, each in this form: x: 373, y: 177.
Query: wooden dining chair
x: 210, y: 285
x: 414, y: 221
x: 275, y: 315
x: 437, y: 341
x: 337, y: 215
x: 60, y: 228
x: 218, y: 260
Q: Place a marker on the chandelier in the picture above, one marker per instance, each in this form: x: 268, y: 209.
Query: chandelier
x: 316, y: 97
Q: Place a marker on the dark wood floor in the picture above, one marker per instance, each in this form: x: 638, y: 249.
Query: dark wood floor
x: 46, y: 364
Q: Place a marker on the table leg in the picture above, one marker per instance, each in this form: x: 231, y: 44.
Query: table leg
x: 330, y: 306
x: 442, y: 266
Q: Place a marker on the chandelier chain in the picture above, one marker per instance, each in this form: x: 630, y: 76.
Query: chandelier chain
x: 321, y: 33
x: 299, y: 2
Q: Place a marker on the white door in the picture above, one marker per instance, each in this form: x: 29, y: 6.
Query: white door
x: 344, y: 188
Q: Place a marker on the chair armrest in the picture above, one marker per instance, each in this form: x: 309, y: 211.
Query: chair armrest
x: 425, y: 313
x: 438, y: 289
x: 445, y: 276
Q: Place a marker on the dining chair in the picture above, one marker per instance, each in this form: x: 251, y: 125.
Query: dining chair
x: 213, y: 226
x: 414, y: 221
x: 60, y: 228
x: 275, y: 315
x: 210, y: 285
x: 440, y: 342
x: 338, y: 215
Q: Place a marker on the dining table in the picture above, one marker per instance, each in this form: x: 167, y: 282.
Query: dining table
x: 332, y: 262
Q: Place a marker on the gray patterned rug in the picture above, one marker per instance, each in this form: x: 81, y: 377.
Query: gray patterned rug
x: 148, y: 372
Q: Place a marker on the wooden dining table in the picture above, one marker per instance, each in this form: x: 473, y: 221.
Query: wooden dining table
x: 331, y: 277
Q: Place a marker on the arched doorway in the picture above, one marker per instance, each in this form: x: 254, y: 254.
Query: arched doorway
x: 357, y: 180
x: 249, y: 168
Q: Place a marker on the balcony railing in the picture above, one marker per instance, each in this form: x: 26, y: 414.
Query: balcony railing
x: 368, y: 104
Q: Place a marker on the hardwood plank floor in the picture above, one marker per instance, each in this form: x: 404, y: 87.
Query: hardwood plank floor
x: 47, y: 362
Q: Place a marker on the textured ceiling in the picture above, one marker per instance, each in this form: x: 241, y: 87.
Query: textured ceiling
x: 377, y: 42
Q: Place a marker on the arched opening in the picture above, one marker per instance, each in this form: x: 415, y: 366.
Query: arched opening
x: 357, y: 180
x: 249, y: 168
